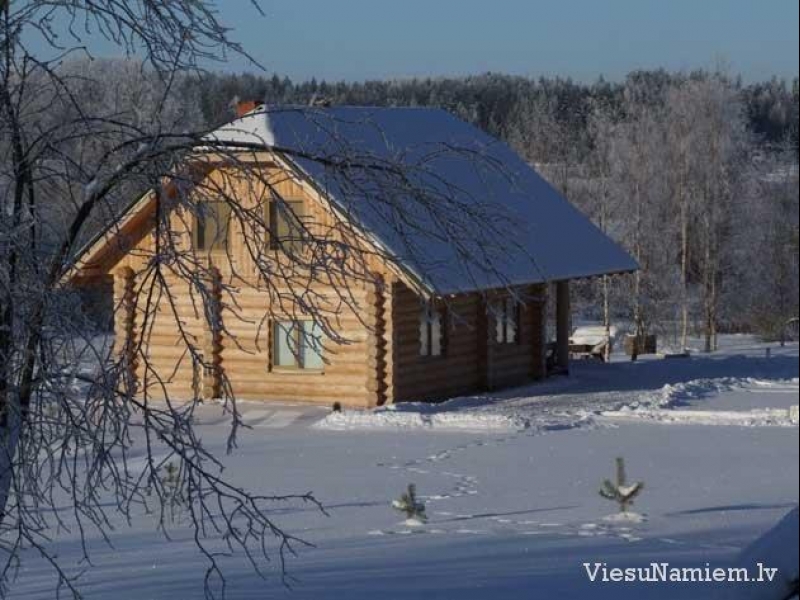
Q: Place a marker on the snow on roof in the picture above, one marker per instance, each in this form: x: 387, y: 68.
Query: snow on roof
x: 457, y: 208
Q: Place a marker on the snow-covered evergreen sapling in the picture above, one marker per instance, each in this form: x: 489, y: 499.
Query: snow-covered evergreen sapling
x: 409, y: 505
x: 620, y: 492
x: 171, y: 482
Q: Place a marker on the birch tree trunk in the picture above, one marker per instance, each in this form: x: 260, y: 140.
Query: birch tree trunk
x: 638, y: 318
x: 684, y: 227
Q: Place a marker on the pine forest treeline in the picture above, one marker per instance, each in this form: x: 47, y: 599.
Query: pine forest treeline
x: 694, y: 173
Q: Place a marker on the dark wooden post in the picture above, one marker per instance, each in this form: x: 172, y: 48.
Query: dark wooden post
x: 537, y: 319
x: 563, y: 325
x: 483, y: 342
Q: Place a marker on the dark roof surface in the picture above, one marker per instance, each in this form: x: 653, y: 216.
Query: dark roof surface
x: 457, y: 208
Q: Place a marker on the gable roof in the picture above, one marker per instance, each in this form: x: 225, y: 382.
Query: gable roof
x: 508, y: 226
x: 457, y: 209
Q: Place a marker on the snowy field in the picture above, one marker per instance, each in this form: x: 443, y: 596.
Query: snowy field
x: 510, y: 481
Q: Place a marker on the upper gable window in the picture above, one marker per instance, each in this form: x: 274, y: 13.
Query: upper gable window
x: 506, y: 314
x: 211, y: 224
x: 284, y: 221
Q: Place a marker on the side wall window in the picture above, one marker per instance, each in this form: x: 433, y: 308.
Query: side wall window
x: 506, y: 314
x: 211, y: 224
x: 432, y: 331
x: 297, y: 345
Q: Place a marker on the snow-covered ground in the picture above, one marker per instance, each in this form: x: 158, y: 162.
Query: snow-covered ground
x: 740, y: 386
x: 510, y: 483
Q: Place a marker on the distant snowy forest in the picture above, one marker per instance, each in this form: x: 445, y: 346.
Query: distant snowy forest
x: 694, y: 173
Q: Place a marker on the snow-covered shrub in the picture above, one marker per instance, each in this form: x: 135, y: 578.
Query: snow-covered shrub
x: 171, y: 481
x: 409, y: 505
x: 620, y: 492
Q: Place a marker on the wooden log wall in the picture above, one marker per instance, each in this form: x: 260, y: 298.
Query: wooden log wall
x: 233, y: 336
x: 473, y: 360
x: 173, y: 333
x: 482, y: 347
x: 125, y: 342
x: 517, y: 363
x: 376, y: 344
x: 434, y: 377
x: 236, y: 346
x: 246, y: 355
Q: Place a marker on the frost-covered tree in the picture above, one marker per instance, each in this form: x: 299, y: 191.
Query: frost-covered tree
x: 76, y: 138
x: 122, y: 90
x: 681, y: 139
x: 723, y: 144
x: 603, y: 204
x: 766, y: 298
x: 672, y: 174
x: 638, y: 156
x: 78, y: 141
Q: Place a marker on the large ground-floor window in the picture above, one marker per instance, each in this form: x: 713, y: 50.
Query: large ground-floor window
x: 297, y: 345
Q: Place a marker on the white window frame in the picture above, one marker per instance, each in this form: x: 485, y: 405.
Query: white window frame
x: 432, y: 320
x: 507, y: 312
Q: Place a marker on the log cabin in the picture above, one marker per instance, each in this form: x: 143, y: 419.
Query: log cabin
x: 455, y: 253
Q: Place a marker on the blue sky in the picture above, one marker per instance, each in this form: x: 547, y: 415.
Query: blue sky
x: 357, y: 39
x: 582, y: 39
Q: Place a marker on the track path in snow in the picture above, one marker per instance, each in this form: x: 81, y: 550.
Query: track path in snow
x: 445, y: 521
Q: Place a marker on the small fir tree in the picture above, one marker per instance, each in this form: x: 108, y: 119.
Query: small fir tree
x: 409, y: 505
x: 620, y: 492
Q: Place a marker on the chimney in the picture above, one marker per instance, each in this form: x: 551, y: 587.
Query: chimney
x: 245, y: 106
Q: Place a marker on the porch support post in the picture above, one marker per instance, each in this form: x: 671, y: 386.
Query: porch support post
x: 563, y: 325
x: 537, y: 324
x: 484, y: 343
